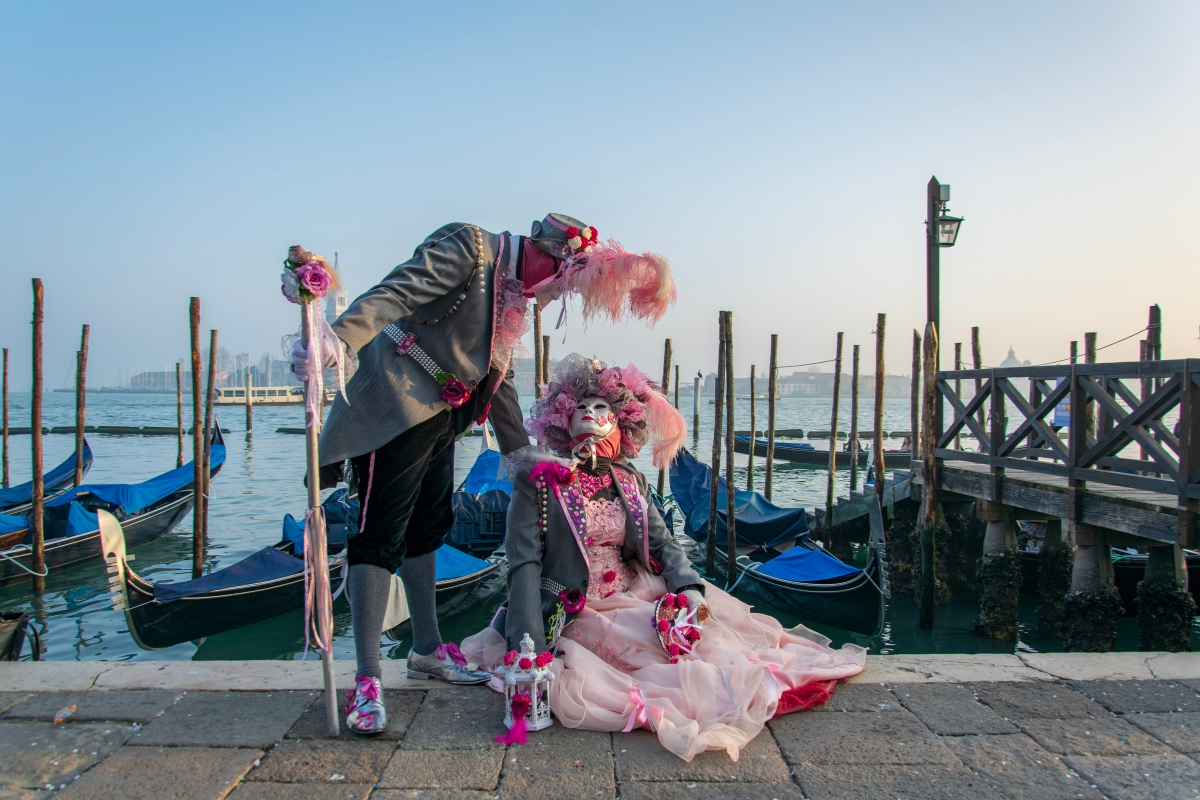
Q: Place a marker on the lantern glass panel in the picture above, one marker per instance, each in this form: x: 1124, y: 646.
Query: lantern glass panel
x: 948, y: 230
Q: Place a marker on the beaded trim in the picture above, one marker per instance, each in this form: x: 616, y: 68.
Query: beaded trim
x: 590, y: 484
x: 553, y: 587
x: 406, y: 345
x: 477, y: 272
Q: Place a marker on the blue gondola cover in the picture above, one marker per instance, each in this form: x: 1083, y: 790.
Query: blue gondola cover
x: 803, y: 565
x: 23, y: 493
x: 265, y: 565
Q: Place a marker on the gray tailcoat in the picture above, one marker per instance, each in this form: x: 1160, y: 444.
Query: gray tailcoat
x: 536, y: 575
x: 391, y: 393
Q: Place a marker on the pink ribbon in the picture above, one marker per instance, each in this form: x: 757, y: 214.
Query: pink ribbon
x: 318, y: 600
x: 638, y: 717
x: 451, y: 650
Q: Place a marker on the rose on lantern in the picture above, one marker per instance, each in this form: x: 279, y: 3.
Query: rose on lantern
x: 510, y: 657
x: 544, y: 659
x: 525, y: 663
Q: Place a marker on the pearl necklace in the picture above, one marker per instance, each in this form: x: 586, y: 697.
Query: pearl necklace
x: 477, y: 272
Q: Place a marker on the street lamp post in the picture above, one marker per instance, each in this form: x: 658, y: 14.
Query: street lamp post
x: 941, y: 230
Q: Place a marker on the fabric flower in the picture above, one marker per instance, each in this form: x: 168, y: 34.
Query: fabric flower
x: 455, y: 392
x: 610, y: 381
x: 291, y: 286
x: 664, y: 625
x: 573, y: 600
x: 595, y: 235
x: 519, y: 704
x: 574, y: 243
x: 632, y: 412
x: 525, y: 663
x: 544, y: 659
x: 610, y: 576
x: 668, y: 600
x: 297, y: 255
x: 314, y: 278
x: 673, y: 649
x: 682, y: 600
x: 692, y: 635
x: 572, y: 231
x: 510, y: 657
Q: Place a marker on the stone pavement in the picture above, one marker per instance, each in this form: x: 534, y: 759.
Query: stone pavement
x: 1117, y: 726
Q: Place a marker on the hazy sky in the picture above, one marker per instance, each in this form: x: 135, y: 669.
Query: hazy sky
x: 777, y: 154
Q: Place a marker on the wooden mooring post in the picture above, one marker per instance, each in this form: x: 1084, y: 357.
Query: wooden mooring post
x: 914, y: 401
x: 5, y: 433
x: 696, y: 405
x: 958, y: 364
x: 81, y: 359
x: 710, y: 563
x: 730, y: 483
x: 930, y: 516
x: 179, y: 413
x: 854, y: 422
x: 537, y: 351
x: 880, y: 377
x: 203, y: 496
x: 676, y: 387
x: 772, y: 377
x: 831, y: 470
x: 977, y: 363
x: 198, y: 440
x: 38, y: 490
x: 666, y: 388
x: 753, y: 433
x: 249, y: 398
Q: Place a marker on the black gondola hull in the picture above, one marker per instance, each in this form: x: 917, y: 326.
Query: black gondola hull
x: 891, y: 459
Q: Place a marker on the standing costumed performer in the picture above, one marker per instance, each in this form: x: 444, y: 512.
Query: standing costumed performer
x: 428, y: 351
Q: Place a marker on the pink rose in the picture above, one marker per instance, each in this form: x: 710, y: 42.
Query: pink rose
x: 610, y: 381
x: 632, y: 412
x: 455, y: 392
x: 573, y: 600
x: 610, y: 576
x: 673, y: 649
x: 664, y: 625
x: 510, y: 657
x: 544, y: 658
x: 668, y: 600
x: 525, y: 663
x: 520, y: 704
x: 314, y: 278
x: 682, y: 600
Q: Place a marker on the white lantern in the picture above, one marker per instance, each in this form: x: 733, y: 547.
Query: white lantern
x: 533, y: 683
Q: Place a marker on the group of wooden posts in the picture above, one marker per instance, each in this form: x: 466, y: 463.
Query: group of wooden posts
x: 202, y: 424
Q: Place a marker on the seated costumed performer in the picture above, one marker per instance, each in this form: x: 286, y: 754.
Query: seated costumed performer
x: 640, y: 639
x: 433, y: 344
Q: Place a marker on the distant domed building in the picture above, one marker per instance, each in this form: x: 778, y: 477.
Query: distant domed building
x: 337, y: 301
x: 1013, y: 361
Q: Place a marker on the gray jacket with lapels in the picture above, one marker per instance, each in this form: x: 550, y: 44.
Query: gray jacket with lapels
x: 537, y: 573
x: 390, y: 393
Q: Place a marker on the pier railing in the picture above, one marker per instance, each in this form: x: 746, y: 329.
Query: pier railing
x: 1090, y: 423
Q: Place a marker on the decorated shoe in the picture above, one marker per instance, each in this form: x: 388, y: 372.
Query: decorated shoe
x: 447, y: 663
x: 364, y: 706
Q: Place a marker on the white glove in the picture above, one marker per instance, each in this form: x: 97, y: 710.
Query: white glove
x: 694, y: 599
x: 300, y: 360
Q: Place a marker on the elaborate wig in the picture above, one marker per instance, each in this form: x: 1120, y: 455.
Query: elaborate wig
x: 643, y: 411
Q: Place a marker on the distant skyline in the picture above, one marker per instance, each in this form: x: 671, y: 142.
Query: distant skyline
x: 777, y: 154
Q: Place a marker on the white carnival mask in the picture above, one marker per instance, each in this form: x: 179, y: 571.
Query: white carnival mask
x: 593, y: 416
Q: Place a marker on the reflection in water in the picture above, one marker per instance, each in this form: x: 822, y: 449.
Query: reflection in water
x: 77, y: 621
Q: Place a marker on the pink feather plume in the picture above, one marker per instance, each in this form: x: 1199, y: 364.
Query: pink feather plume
x: 669, y: 429
x: 613, y: 283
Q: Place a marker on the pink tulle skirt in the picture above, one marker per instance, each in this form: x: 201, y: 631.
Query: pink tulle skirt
x: 611, y: 673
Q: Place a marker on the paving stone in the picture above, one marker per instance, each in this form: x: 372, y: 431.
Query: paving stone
x: 894, y: 738
x: 637, y: 790
x: 164, y: 773
x: 401, y: 706
x: 950, y: 709
x: 430, y: 794
x: 324, y: 761
x: 911, y: 782
x: 860, y: 697
x: 136, y: 705
x: 640, y: 757
x: 1141, y: 777
x: 1141, y: 697
x: 1092, y: 737
x: 10, y: 699
x: 559, y: 761
x: 1020, y: 768
x: 457, y: 718
x: 226, y: 719
x: 433, y: 769
x: 301, y: 791
x: 518, y: 784
x: 1181, y: 731
x: 34, y: 754
x: 1017, y: 701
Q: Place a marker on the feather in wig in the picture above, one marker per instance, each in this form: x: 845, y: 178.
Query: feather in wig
x: 614, y: 283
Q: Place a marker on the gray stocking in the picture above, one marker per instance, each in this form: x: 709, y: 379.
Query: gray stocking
x: 369, y: 589
x: 420, y: 580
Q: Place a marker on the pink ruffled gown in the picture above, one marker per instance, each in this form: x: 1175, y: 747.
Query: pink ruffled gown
x: 611, y: 673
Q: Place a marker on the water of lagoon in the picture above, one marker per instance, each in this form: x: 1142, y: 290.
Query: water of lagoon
x: 261, y: 481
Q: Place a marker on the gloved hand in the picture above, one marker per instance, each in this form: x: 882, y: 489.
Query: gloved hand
x: 694, y: 599
x: 300, y: 360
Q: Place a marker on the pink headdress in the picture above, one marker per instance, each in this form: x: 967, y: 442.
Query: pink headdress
x: 643, y: 411
x: 614, y: 283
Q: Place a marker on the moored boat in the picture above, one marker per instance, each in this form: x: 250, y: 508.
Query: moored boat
x: 802, y: 453
x: 18, y: 499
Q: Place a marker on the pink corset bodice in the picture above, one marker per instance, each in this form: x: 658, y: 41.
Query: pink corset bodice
x: 605, y: 537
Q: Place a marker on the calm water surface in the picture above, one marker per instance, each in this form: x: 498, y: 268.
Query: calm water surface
x: 261, y: 481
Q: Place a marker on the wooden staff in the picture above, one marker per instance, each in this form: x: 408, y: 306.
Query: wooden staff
x: 197, y: 444
x: 179, y: 412
x: 537, y: 351
x: 80, y: 402
x: 546, y: 358
x: 771, y: 387
x: 208, y: 424
x: 312, y: 433
x: 833, y: 431
x: 5, y: 418
x: 730, y: 486
x: 753, y: 433
x: 926, y: 593
x: 250, y: 399
x: 38, y: 493
x: 958, y: 364
x: 676, y: 387
x: 666, y: 387
x: 715, y: 472
x: 914, y: 401
x: 854, y: 422
x: 880, y: 376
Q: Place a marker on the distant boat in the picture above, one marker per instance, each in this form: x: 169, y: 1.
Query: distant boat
x: 267, y: 396
x: 801, y: 453
x: 19, y: 499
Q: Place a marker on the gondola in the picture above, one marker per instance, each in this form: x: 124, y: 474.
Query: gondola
x: 801, y: 453
x: 1129, y: 567
x: 18, y: 499
x: 71, y: 528
x: 271, y: 582
x: 777, y: 562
